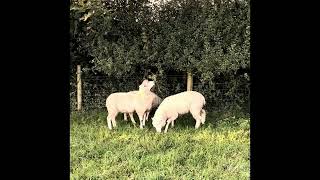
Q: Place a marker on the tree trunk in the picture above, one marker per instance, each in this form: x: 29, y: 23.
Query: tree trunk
x: 79, y: 88
x: 189, y: 81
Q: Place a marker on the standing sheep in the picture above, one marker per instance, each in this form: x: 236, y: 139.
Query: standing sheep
x: 144, y: 102
x: 156, y: 100
x: 155, y: 103
x: 127, y: 102
x: 178, y: 104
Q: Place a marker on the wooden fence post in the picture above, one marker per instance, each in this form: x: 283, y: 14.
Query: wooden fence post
x: 189, y: 81
x: 79, y: 88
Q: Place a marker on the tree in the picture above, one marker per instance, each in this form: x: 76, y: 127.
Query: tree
x: 133, y: 39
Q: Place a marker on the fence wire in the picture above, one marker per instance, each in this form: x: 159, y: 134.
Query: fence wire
x: 219, y: 96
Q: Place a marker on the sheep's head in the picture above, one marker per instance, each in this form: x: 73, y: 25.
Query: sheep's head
x: 158, y: 123
x: 144, y: 83
x: 146, y: 86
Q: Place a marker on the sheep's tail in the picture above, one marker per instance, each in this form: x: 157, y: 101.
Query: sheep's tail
x: 203, y: 116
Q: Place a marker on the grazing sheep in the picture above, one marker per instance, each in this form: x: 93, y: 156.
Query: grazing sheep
x: 178, y: 104
x: 127, y: 102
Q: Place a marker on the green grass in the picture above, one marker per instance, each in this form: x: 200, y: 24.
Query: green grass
x: 217, y: 150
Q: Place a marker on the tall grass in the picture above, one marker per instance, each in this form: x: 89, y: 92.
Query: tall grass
x: 217, y: 150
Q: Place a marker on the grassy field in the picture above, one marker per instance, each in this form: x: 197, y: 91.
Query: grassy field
x: 217, y: 150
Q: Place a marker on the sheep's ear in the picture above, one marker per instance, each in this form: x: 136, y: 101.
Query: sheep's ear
x: 150, y: 84
x: 144, y: 83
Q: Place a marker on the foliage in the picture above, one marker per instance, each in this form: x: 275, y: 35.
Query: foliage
x: 134, y: 39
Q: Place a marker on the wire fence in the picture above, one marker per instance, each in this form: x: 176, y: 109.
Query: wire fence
x: 219, y: 96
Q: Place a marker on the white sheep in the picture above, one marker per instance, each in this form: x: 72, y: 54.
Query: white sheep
x: 156, y: 100
x: 126, y: 102
x: 178, y: 104
x: 155, y: 103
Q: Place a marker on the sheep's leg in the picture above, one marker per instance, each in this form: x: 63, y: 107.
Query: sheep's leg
x: 144, y: 119
x: 125, y: 116
x: 109, y: 122
x: 141, y: 119
x: 170, y: 120
x: 203, y: 116
x: 197, y: 124
x: 197, y: 117
x: 110, y: 118
x: 166, y: 129
x: 132, y: 119
x: 172, y: 124
x: 114, y: 123
x: 147, y: 115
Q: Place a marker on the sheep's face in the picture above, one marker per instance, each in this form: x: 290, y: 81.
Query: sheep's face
x: 146, y: 85
x: 158, y: 124
x: 158, y: 130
